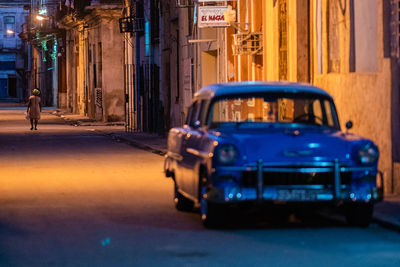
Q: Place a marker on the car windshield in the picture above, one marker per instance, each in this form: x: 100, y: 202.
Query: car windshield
x: 308, y: 109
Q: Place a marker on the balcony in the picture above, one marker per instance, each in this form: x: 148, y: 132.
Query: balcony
x: 131, y: 24
x: 248, y: 43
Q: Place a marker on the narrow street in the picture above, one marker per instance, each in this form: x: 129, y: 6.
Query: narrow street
x: 72, y: 196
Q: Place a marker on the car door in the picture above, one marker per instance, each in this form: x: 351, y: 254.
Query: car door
x: 189, y: 159
x: 199, y: 143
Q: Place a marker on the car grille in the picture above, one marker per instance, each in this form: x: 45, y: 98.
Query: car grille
x: 249, y: 178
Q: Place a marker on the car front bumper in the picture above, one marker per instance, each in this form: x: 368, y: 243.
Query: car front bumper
x: 361, y: 189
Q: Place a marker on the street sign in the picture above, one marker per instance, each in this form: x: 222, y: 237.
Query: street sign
x: 212, y: 16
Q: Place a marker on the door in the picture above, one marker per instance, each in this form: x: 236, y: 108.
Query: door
x: 190, y: 159
x: 3, y: 88
x: 12, y: 87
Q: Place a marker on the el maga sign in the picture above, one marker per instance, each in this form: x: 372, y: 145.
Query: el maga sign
x: 212, y: 16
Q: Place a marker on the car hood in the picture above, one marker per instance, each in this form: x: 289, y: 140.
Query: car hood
x: 292, y: 144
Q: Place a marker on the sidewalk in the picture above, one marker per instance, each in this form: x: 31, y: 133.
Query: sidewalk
x: 386, y: 214
x: 116, y: 130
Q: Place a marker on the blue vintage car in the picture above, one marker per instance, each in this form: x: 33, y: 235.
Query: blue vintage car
x: 264, y: 143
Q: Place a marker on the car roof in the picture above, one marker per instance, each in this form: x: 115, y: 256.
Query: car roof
x: 232, y: 88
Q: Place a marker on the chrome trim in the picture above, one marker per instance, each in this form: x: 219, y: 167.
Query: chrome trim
x: 288, y: 167
x: 174, y: 156
x: 301, y: 170
x: 336, y: 185
x: 198, y: 153
x: 260, y: 180
x: 356, y: 169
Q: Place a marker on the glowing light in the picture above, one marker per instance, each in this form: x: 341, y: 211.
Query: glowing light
x: 54, y: 53
x: 147, y: 37
x: 41, y: 18
x: 42, y: 11
x: 230, y: 195
x: 313, y: 145
x: 105, y: 242
x: 10, y: 31
x: 238, y: 195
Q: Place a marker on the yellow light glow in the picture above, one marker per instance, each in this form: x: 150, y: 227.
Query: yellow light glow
x: 10, y: 32
x: 40, y: 18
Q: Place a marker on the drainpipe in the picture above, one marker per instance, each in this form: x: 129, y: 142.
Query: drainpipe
x: 239, y: 56
x: 253, y: 26
x: 138, y: 106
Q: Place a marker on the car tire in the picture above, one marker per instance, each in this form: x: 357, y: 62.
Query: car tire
x: 212, y: 214
x: 181, y: 202
x: 359, y: 215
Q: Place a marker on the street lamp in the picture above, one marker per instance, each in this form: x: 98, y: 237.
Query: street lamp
x: 41, y: 18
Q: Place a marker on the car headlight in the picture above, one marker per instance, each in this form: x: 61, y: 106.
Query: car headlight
x: 368, y: 154
x: 226, y: 154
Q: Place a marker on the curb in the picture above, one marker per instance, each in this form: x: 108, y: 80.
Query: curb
x: 85, y: 122
x: 142, y: 146
x: 387, y: 223
x: 114, y: 136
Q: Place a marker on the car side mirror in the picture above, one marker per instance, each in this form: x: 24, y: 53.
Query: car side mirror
x: 349, y: 125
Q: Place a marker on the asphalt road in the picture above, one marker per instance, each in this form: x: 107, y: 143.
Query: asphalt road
x: 70, y: 196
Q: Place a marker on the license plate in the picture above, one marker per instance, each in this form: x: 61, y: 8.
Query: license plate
x: 296, y: 195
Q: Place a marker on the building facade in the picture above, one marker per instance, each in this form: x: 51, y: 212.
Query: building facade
x: 93, y: 50
x: 12, y: 50
x: 348, y: 48
x: 142, y: 60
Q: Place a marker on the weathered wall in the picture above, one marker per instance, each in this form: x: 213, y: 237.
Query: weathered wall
x: 113, y: 77
x: 360, y: 96
x: 361, y: 87
x: 365, y: 99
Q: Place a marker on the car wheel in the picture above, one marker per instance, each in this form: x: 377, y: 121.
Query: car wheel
x: 359, y: 214
x: 212, y: 214
x: 181, y: 202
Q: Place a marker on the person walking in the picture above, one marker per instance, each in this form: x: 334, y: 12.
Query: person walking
x: 34, y: 108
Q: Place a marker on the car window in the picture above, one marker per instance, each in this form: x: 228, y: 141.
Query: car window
x: 328, y: 110
x: 203, y: 111
x: 275, y: 107
x: 194, y: 115
x: 317, y: 112
x: 189, y: 114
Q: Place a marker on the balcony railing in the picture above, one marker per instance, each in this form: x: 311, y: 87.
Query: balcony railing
x: 248, y: 43
x: 131, y: 24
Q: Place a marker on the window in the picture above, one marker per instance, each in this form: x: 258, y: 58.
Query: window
x: 203, y: 111
x: 364, y: 36
x: 318, y: 31
x: 99, y: 65
x: 193, y: 113
x: 275, y: 108
x: 9, y: 26
x: 333, y: 22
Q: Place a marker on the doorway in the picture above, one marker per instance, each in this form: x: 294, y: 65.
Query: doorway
x: 12, y: 87
x: 209, y: 67
x: 3, y: 88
